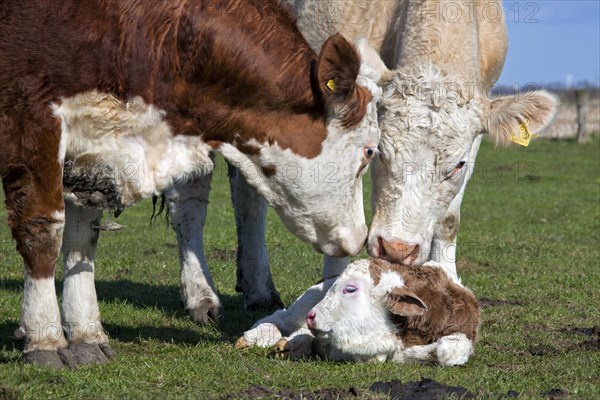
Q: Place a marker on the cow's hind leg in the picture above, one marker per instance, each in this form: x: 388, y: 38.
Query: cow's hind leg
x: 188, y: 203
x: 253, y: 273
x: 81, y: 316
x: 36, y: 217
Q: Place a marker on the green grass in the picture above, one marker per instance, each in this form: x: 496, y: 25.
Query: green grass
x: 529, y: 239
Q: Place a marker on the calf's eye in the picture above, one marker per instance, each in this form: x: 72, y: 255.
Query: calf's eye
x: 349, y: 289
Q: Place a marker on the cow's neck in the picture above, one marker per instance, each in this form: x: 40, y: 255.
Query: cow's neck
x: 441, y: 33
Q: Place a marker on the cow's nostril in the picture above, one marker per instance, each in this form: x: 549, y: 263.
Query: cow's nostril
x: 310, y: 319
x: 398, y: 251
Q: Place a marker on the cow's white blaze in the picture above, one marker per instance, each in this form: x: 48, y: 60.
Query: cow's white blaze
x: 428, y: 128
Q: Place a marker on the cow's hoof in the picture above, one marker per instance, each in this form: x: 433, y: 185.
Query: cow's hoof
x: 295, y: 348
x: 108, y: 351
x: 263, y: 335
x: 281, y: 349
x: 241, y: 343
x: 45, y: 358
x: 269, y: 304
x: 207, y: 312
x: 88, y: 353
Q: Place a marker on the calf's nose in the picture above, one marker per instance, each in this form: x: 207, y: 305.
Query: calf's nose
x: 310, y: 319
x: 397, y: 251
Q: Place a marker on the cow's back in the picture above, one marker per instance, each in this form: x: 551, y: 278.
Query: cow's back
x: 385, y: 23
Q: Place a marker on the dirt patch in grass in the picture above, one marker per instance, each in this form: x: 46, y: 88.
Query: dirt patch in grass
x: 425, y: 389
x: 585, y: 345
x: 8, y: 393
x: 487, y: 302
x: 262, y: 392
x: 556, y: 394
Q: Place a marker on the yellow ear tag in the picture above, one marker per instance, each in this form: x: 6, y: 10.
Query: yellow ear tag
x: 523, y: 137
x: 331, y: 84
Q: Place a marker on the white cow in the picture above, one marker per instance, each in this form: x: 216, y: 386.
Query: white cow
x: 433, y: 115
x: 378, y: 311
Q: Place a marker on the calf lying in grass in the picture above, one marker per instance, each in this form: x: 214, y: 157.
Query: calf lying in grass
x: 377, y: 311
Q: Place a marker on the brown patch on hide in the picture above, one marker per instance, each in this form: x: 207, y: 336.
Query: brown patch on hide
x: 450, y: 307
x: 269, y: 170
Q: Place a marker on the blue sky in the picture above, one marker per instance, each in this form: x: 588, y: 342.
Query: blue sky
x: 550, y: 40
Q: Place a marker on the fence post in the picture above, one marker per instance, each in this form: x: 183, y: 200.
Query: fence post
x: 581, y: 99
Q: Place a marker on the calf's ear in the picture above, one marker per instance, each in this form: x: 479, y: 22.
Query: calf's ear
x: 337, y: 70
x: 517, y: 118
x: 401, y: 301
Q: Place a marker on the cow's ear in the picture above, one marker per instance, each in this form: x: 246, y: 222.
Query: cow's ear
x: 519, y: 117
x: 402, y: 301
x: 337, y: 70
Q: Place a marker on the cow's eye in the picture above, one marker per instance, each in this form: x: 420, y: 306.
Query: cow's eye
x: 369, y: 153
x: 349, y: 289
x: 457, y: 168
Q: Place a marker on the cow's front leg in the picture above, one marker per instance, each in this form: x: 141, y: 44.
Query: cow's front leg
x: 81, y: 315
x: 36, y: 217
x: 188, y: 203
x: 253, y: 273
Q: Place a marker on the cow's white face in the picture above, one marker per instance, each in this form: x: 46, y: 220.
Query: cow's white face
x: 428, y: 129
x: 352, y: 321
x: 296, y: 186
x: 431, y: 128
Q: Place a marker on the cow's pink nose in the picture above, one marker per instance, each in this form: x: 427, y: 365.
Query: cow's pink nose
x: 397, y: 251
x: 310, y: 319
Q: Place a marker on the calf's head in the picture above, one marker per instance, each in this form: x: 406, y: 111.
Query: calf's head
x: 314, y: 183
x: 431, y: 125
x: 353, y: 321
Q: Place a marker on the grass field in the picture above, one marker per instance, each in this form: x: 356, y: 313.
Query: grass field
x: 528, y: 247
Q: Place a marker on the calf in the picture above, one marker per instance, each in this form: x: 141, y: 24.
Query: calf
x: 378, y: 311
x: 135, y: 95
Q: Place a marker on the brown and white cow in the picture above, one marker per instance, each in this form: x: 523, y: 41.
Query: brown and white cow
x: 135, y: 94
x: 444, y: 58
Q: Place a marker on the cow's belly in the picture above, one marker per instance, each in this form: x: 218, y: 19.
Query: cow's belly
x: 123, y: 151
